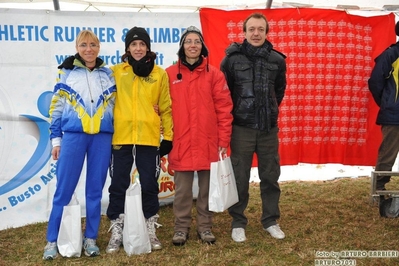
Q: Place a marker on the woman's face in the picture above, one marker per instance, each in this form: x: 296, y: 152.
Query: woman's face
x: 138, y: 49
x: 88, y: 50
x: 192, y: 46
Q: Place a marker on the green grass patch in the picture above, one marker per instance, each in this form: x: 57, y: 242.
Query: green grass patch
x: 327, y: 216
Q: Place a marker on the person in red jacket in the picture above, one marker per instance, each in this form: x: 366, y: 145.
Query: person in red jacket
x: 201, y: 111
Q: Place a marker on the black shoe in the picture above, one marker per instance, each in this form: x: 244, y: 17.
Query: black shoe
x: 380, y: 187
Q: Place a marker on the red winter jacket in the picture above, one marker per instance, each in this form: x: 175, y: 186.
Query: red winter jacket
x: 201, y: 111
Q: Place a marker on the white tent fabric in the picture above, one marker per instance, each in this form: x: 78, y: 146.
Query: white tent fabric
x: 191, y: 6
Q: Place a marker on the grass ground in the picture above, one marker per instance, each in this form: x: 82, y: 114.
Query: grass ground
x: 319, y: 219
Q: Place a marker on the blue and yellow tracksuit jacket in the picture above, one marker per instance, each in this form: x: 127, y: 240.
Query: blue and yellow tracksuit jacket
x: 83, y: 101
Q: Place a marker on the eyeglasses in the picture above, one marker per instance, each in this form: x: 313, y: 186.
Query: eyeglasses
x: 190, y: 42
x: 84, y: 45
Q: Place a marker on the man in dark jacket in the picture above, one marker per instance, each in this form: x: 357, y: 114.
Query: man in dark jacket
x: 384, y: 86
x: 256, y: 76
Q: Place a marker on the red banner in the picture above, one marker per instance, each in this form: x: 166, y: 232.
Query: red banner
x: 328, y: 114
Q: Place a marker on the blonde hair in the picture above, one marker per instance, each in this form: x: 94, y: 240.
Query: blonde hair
x: 87, y: 34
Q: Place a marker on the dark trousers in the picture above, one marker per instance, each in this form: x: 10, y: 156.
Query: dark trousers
x: 147, y: 163
x: 244, y: 143
x: 387, y: 153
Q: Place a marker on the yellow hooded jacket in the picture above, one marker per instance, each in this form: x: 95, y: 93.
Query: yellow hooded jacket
x: 135, y: 121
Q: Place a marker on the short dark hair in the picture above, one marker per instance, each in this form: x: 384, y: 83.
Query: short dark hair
x: 257, y: 16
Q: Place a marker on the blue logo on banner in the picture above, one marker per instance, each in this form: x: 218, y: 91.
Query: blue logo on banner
x: 43, y: 150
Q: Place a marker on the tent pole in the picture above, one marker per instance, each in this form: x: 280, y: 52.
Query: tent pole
x: 268, y: 4
x: 56, y: 4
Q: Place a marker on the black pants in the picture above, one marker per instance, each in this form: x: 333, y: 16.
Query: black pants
x: 147, y: 163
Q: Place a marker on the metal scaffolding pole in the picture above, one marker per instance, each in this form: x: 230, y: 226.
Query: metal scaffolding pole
x: 268, y: 4
x: 56, y: 4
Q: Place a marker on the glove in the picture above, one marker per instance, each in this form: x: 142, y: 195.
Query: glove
x: 165, y: 148
x: 68, y: 63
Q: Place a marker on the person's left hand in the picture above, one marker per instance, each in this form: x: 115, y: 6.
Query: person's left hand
x: 165, y: 147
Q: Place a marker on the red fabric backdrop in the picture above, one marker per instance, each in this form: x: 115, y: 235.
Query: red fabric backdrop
x: 328, y: 114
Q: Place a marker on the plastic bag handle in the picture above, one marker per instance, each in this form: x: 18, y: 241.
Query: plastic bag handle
x: 74, y: 200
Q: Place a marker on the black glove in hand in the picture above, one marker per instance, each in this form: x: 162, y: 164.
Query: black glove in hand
x: 165, y: 148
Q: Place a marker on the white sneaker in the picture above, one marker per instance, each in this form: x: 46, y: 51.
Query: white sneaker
x: 152, y: 224
x: 238, y: 235
x: 275, y: 231
x: 116, y: 240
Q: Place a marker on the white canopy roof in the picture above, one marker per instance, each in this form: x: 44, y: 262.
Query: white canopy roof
x: 193, y: 5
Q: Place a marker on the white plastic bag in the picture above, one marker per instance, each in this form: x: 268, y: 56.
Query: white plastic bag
x: 69, y: 240
x: 135, y: 233
x: 222, y: 188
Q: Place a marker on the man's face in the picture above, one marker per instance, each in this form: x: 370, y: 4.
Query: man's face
x: 256, y: 31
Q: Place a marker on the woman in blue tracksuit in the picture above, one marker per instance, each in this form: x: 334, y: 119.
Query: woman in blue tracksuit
x: 81, y: 116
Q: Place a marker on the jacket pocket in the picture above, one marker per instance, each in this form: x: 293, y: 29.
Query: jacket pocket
x: 272, y: 71
x: 243, y: 76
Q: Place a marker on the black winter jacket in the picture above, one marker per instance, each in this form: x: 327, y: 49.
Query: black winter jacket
x: 239, y: 73
x: 384, y: 85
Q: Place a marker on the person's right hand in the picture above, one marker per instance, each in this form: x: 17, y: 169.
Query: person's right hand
x: 55, y: 152
x: 222, y: 150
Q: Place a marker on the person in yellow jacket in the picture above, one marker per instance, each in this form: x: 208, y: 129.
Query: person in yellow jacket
x: 141, y: 86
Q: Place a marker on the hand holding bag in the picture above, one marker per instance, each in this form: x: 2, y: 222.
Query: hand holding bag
x: 222, y: 188
x: 135, y: 233
x: 69, y: 240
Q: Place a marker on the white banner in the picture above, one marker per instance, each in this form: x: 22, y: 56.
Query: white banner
x: 32, y: 45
